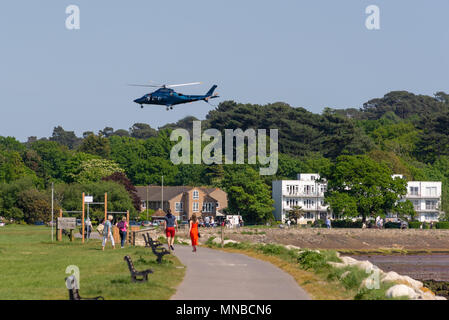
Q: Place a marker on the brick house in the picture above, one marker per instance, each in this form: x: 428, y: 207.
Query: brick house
x: 184, y: 201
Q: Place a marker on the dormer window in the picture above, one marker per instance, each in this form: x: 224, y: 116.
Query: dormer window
x: 196, y: 195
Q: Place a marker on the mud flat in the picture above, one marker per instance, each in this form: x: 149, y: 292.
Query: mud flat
x: 360, y: 240
x: 431, y: 269
x: 419, y: 267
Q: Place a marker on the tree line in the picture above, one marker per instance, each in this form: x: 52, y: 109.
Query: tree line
x: 401, y: 133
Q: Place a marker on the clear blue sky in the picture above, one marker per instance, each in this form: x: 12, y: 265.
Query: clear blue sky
x: 312, y: 54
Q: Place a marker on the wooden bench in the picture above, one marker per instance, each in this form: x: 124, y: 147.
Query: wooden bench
x: 149, y: 241
x: 135, y: 273
x: 156, y: 247
x: 73, y: 291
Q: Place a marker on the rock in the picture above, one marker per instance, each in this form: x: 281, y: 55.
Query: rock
x: 390, y: 276
x: 401, y: 290
x: 427, y: 296
x: 365, y: 265
x: 344, y: 274
x: 348, y: 261
x: 229, y: 241
x: 415, y: 284
x: 217, y: 241
x: 292, y: 247
x: 394, y: 277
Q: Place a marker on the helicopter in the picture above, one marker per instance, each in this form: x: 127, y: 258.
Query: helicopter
x: 168, y: 97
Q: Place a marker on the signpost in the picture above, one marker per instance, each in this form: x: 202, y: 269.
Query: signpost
x: 66, y: 224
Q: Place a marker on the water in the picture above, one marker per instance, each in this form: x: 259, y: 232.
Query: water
x: 419, y: 267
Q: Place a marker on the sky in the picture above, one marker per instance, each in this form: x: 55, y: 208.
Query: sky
x: 312, y: 54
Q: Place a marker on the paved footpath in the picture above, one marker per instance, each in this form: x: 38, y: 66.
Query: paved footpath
x: 218, y: 275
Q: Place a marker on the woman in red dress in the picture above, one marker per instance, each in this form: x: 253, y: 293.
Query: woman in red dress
x: 193, y: 230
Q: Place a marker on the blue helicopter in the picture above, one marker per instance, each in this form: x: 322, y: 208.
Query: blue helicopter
x: 168, y: 97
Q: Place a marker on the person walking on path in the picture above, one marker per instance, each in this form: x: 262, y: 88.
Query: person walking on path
x: 193, y: 231
x: 123, y: 228
x: 170, y: 224
x: 328, y: 223
x: 107, y: 232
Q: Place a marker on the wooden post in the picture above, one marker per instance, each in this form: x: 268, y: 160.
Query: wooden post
x: 128, y: 235
x: 59, y: 230
x: 82, y: 220
x: 105, y: 207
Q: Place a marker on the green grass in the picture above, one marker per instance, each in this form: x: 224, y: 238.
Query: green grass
x: 32, y: 267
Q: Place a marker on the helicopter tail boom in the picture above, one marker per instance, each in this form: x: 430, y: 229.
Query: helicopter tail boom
x: 211, y: 91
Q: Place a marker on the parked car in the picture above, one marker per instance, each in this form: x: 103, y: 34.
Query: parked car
x: 134, y: 223
x: 2, y: 224
x: 146, y: 223
x: 39, y: 223
x: 51, y: 223
x: 404, y: 224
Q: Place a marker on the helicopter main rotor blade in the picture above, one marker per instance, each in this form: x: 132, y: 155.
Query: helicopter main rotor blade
x: 144, y: 85
x: 182, y: 84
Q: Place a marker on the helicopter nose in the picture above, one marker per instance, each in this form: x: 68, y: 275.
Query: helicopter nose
x: 139, y: 100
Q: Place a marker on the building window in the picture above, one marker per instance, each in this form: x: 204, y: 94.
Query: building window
x: 323, y: 188
x: 431, y: 191
x: 414, y: 191
x: 217, y: 204
x: 195, y: 207
x: 208, y: 206
x: 144, y: 205
x: 416, y: 205
x: 196, y: 195
x: 178, y: 206
x: 431, y: 205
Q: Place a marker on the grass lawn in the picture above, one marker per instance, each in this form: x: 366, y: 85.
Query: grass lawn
x: 32, y: 267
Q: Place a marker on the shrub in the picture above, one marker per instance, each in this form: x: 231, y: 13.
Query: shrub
x: 312, y: 260
x: 414, y: 224
x: 392, y: 225
x: 346, y: 224
x: 442, y: 225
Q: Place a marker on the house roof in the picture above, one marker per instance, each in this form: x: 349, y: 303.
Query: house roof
x: 155, y: 192
x: 158, y: 214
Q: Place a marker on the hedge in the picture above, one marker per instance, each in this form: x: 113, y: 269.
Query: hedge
x: 346, y: 224
x: 442, y: 225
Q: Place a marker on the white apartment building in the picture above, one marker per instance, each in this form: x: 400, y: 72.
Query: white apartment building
x: 307, y: 192
x: 426, y: 198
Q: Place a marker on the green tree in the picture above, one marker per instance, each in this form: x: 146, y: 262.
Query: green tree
x: 365, y: 183
x: 67, y: 138
x: 404, y: 210
x: 12, y: 166
x: 35, y: 205
x: 96, y: 145
x: 248, y: 194
x: 95, y: 169
x: 295, y: 213
x: 142, y: 131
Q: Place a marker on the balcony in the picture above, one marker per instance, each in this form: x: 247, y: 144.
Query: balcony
x: 303, y: 194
